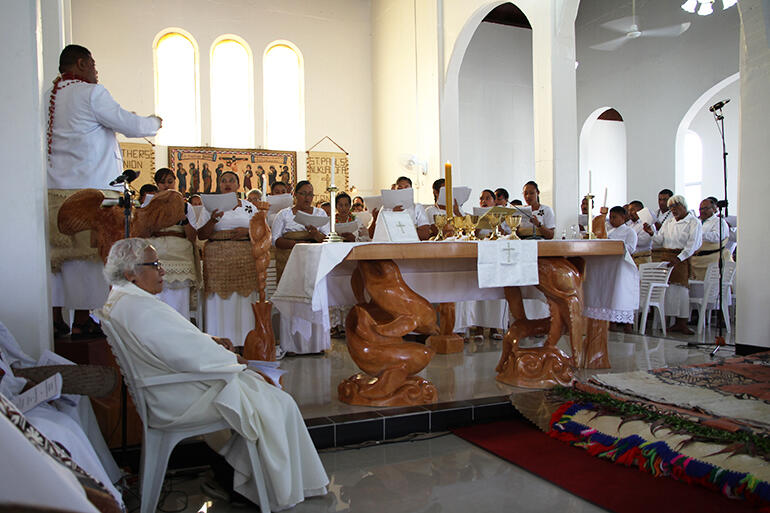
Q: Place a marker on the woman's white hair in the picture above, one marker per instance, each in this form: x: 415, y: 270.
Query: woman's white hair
x: 677, y: 199
x: 124, y: 257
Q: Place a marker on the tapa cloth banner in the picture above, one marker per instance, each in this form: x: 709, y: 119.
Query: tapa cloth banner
x: 319, y: 172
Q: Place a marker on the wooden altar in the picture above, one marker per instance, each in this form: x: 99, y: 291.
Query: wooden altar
x: 378, y: 322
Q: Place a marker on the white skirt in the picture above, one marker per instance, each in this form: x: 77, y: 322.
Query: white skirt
x: 231, y: 318
x: 492, y: 313
x: 677, y: 302
x: 295, y: 343
x: 79, y: 286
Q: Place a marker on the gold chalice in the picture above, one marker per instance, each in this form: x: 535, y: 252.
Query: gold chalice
x: 513, y: 223
x: 459, y: 224
x: 440, y: 221
x: 494, y: 222
x: 469, y: 227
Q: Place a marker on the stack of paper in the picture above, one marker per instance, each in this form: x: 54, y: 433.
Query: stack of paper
x: 460, y: 195
x: 278, y: 202
x: 269, y: 369
x: 351, y: 227
x: 310, y: 220
x: 398, y: 197
x: 221, y: 202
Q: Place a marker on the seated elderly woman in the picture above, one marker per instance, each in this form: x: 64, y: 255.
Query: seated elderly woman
x: 160, y: 341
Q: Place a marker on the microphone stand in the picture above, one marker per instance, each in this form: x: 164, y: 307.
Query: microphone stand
x: 719, y: 119
x: 125, y: 202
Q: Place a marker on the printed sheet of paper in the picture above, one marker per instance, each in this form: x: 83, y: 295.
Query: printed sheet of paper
x: 278, y: 202
x: 364, y: 218
x: 460, y: 195
x: 507, y: 263
x: 44, y: 391
x: 480, y: 211
x: 221, y: 202
x: 351, y: 227
x: 373, y: 203
x: 403, y: 197
x: 269, y: 369
x: 646, y: 216
x: 147, y: 200
x: 306, y: 219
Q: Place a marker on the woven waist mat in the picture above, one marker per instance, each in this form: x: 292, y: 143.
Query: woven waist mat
x: 228, y: 266
x: 681, y: 273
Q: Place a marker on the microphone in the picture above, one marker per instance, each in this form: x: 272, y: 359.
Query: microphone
x: 128, y: 176
x: 719, y: 105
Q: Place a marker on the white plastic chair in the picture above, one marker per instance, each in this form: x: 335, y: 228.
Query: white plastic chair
x: 710, y: 299
x: 157, y: 444
x: 652, y: 292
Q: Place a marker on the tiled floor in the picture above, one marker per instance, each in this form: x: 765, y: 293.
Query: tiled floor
x: 442, y: 473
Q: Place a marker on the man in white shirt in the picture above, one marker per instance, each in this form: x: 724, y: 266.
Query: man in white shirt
x: 663, y: 213
x: 681, y: 232
x: 501, y: 197
x: 618, y: 230
x: 709, y: 250
x: 83, y: 152
x: 641, y: 254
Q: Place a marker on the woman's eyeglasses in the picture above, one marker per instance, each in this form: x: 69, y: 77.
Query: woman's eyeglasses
x: 156, y: 264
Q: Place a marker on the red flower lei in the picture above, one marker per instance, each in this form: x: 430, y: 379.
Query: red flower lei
x: 70, y: 78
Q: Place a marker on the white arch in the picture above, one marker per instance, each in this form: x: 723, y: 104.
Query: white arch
x: 684, y: 125
x: 301, y: 71
x: 248, y: 108
x: 599, y: 181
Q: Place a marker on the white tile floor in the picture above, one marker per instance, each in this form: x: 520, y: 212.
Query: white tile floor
x: 442, y: 474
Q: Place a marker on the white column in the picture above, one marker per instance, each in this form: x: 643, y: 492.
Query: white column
x: 753, y: 273
x: 25, y: 298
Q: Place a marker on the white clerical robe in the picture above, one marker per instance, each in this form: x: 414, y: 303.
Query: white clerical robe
x: 624, y: 233
x: 160, y: 341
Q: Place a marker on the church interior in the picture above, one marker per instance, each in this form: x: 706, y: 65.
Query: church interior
x: 608, y: 98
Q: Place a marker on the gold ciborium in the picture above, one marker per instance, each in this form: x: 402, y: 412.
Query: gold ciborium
x: 494, y: 221
x: 440, y: 221
x: 513, y: 223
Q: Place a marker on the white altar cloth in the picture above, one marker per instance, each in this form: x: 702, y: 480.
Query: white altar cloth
x: 317, y: 277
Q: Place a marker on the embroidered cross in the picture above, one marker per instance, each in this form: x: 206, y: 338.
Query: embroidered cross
x: 401, y: 227
x: 508, y: 250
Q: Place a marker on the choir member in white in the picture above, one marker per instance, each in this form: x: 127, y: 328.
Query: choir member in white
x: 663, y: 213
x: 709, y: 250
x: 175, y: 247
x: 344, y: 215
x: 287, y: 233
x: 643, y: 239
x: 433, y: 210
x: 542, y: 221
x: 416, y: 212
x: 229, y: 270
x: 159, y: 341
x: 681, y: 231
x: 83, y: 152
x: 618, y: 230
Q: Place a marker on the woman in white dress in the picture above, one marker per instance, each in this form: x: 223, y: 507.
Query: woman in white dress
x: 543, y: 221
x: 175, y: 247
x: 229, y: 269
x: 287, y: 233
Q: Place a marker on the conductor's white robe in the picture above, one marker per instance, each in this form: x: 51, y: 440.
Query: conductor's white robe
x: 160, y: 341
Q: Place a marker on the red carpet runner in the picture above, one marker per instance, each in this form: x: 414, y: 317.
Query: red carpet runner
x: 613, y: 487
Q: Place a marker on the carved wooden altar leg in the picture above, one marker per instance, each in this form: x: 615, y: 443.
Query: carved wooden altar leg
x: 447, y: 341
x: 537, y: 367
x: 260, y: 342
x: 595, y: 347
x: 374, y: 333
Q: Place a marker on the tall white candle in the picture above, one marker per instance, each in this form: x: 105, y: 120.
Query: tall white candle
x: 604, y: 204
x: 589, y: 181
x: 333, y: 162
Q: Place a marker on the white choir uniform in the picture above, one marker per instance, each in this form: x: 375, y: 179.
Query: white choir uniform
x: 178, y: 259
x: 85, y: 154
x: 544, y: 214
x: 710, y: 229
x: 233, y: 317
x: 159, y: 341
x: 624, y: 233
x: 73, y: 427
x: 661, y: 217
x: 436, y: 210
x: 684, y: 234
x: 643, y: 239
x: 295, y: 342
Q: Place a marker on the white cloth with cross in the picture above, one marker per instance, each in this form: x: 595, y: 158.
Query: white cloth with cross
x: 507, y: 263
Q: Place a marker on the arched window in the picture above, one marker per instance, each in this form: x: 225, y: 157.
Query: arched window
x: 176, y: 88
x: 693, y: 169
x: 284, y: 97
x: 232, y: 96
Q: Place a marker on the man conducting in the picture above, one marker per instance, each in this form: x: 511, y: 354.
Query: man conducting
x: 83, y: 152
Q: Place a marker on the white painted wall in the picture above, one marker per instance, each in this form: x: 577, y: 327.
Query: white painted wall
x: 652, y: 82
x: 334, y: 37
x: 703, y: 125
x: 753, y: 274
x: 496, y: 111
x: 24, y: 303
x: 603, y: 147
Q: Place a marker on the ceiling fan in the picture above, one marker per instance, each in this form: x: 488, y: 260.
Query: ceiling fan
x: 630, y: 30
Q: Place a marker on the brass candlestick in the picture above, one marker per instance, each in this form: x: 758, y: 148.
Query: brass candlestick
x: 589, y: 225
x: 333, y: 236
